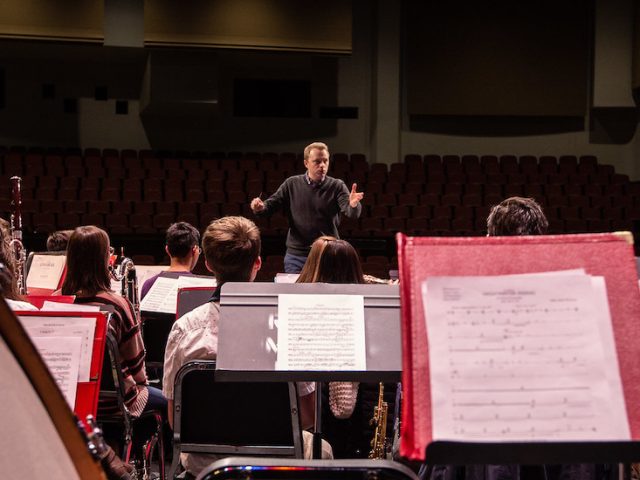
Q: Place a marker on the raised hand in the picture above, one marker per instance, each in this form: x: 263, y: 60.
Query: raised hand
x: 355, y: 197
x: 257, y: 205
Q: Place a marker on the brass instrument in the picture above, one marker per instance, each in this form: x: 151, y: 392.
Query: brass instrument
x: 379, y: 441
x: 16, y: 244
x: 126, y: 274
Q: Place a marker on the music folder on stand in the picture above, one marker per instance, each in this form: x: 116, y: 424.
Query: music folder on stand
x: 246, y: 328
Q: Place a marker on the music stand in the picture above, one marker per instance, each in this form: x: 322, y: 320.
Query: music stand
x: 246, y: 325
x: 607, y: 255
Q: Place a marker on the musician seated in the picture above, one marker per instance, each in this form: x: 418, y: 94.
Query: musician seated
x: 9, y: 276
x: 58, y: 241
x: 88, y: 279
x: 231, y: 247
x: 181, y: 245
x: 347, y: 414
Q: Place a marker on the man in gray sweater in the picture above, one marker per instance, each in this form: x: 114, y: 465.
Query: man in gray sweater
x: 313, y: 202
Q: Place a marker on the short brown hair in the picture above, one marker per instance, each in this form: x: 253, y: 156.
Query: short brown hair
x: 87, y: 262
x: 58, y: 241
x: 517, y: 216
x: 231, y: 247
x: 311, y: 146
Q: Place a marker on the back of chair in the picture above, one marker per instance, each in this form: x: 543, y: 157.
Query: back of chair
x: 155, y: 333
x: 239, y: 418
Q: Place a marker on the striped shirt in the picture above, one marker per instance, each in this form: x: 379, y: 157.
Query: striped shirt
x: 127, y: 332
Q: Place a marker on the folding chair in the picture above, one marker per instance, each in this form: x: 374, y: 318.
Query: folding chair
x: 112, y: 387
x: 233, y: 418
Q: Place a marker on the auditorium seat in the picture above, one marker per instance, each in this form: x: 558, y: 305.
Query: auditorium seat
x: 96, y: 219
x: 413, y: 187
x: 67, y: 194
x: 395, y: 224
x: 67, y: 220
x: 144, y: 208
x: 528, y: 164
x: 417, y: 226
x: 471, y: 199
x: 421, y: 211
x: 509, y: 164
x: 400, y: 211
x: 412, y: 161
x: 429, y: 199
x: 513, y: 190
x: 578, y: 200
x: 548, y: 164
x: 75, y: 206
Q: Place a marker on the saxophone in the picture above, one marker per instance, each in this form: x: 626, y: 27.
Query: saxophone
x: 379, y: 441
x: 16, y: 244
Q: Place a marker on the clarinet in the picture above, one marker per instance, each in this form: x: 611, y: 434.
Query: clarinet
x: 16, y: 244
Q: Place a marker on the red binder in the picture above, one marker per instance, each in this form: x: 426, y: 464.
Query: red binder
x: 607, y: 255
x: 87, y: 392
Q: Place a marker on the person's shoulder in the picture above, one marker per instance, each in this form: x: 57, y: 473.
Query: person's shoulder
x: 295, y: 179
x: 150, y: 281
x: 333, y: 182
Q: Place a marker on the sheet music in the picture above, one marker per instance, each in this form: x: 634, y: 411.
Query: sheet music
x: 46, y: 271
x: 321, y: 332
x: 62, y: 356
x: 163, y: 295
x: 523, y: 357
x: 53, y: 306
x: 80, y: 327
x: 145, y: 272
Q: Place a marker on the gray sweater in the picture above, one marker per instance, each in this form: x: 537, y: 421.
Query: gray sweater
x: 313, y: 210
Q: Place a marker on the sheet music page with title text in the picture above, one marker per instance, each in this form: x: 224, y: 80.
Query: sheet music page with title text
x: 321, y: 332
x: 521, y: 358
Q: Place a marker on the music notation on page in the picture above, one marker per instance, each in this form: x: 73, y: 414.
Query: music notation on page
x: 523, y: 357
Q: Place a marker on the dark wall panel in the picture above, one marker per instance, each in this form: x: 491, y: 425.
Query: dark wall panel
x: 497, y: 58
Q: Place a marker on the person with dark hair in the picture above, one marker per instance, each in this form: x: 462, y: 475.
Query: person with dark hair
x: 181, y: 245
x: 517, y: 216
x: 88, y: 279
x: 313, y: 202
x: 58, y: 241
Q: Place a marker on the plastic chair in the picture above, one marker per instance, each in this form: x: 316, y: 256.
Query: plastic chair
x: 221, y: 417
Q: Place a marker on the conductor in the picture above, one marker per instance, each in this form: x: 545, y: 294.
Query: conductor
x: 313, y: 202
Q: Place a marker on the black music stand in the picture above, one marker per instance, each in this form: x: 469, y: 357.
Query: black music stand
x: 246, y: 323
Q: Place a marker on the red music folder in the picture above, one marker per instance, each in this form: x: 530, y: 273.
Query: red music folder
x: 608, y: 255
x: 87, y: 392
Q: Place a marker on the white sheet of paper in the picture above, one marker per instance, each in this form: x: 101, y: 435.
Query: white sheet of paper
x: 62, y: 356
x: 522, y: 357
x: 53, y: 306
x: 163, y: 295
x: 286, y: 277
x: 145, y: 272
x: 80, y: 327
x: 321, y: 332
x: 45, y: 271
